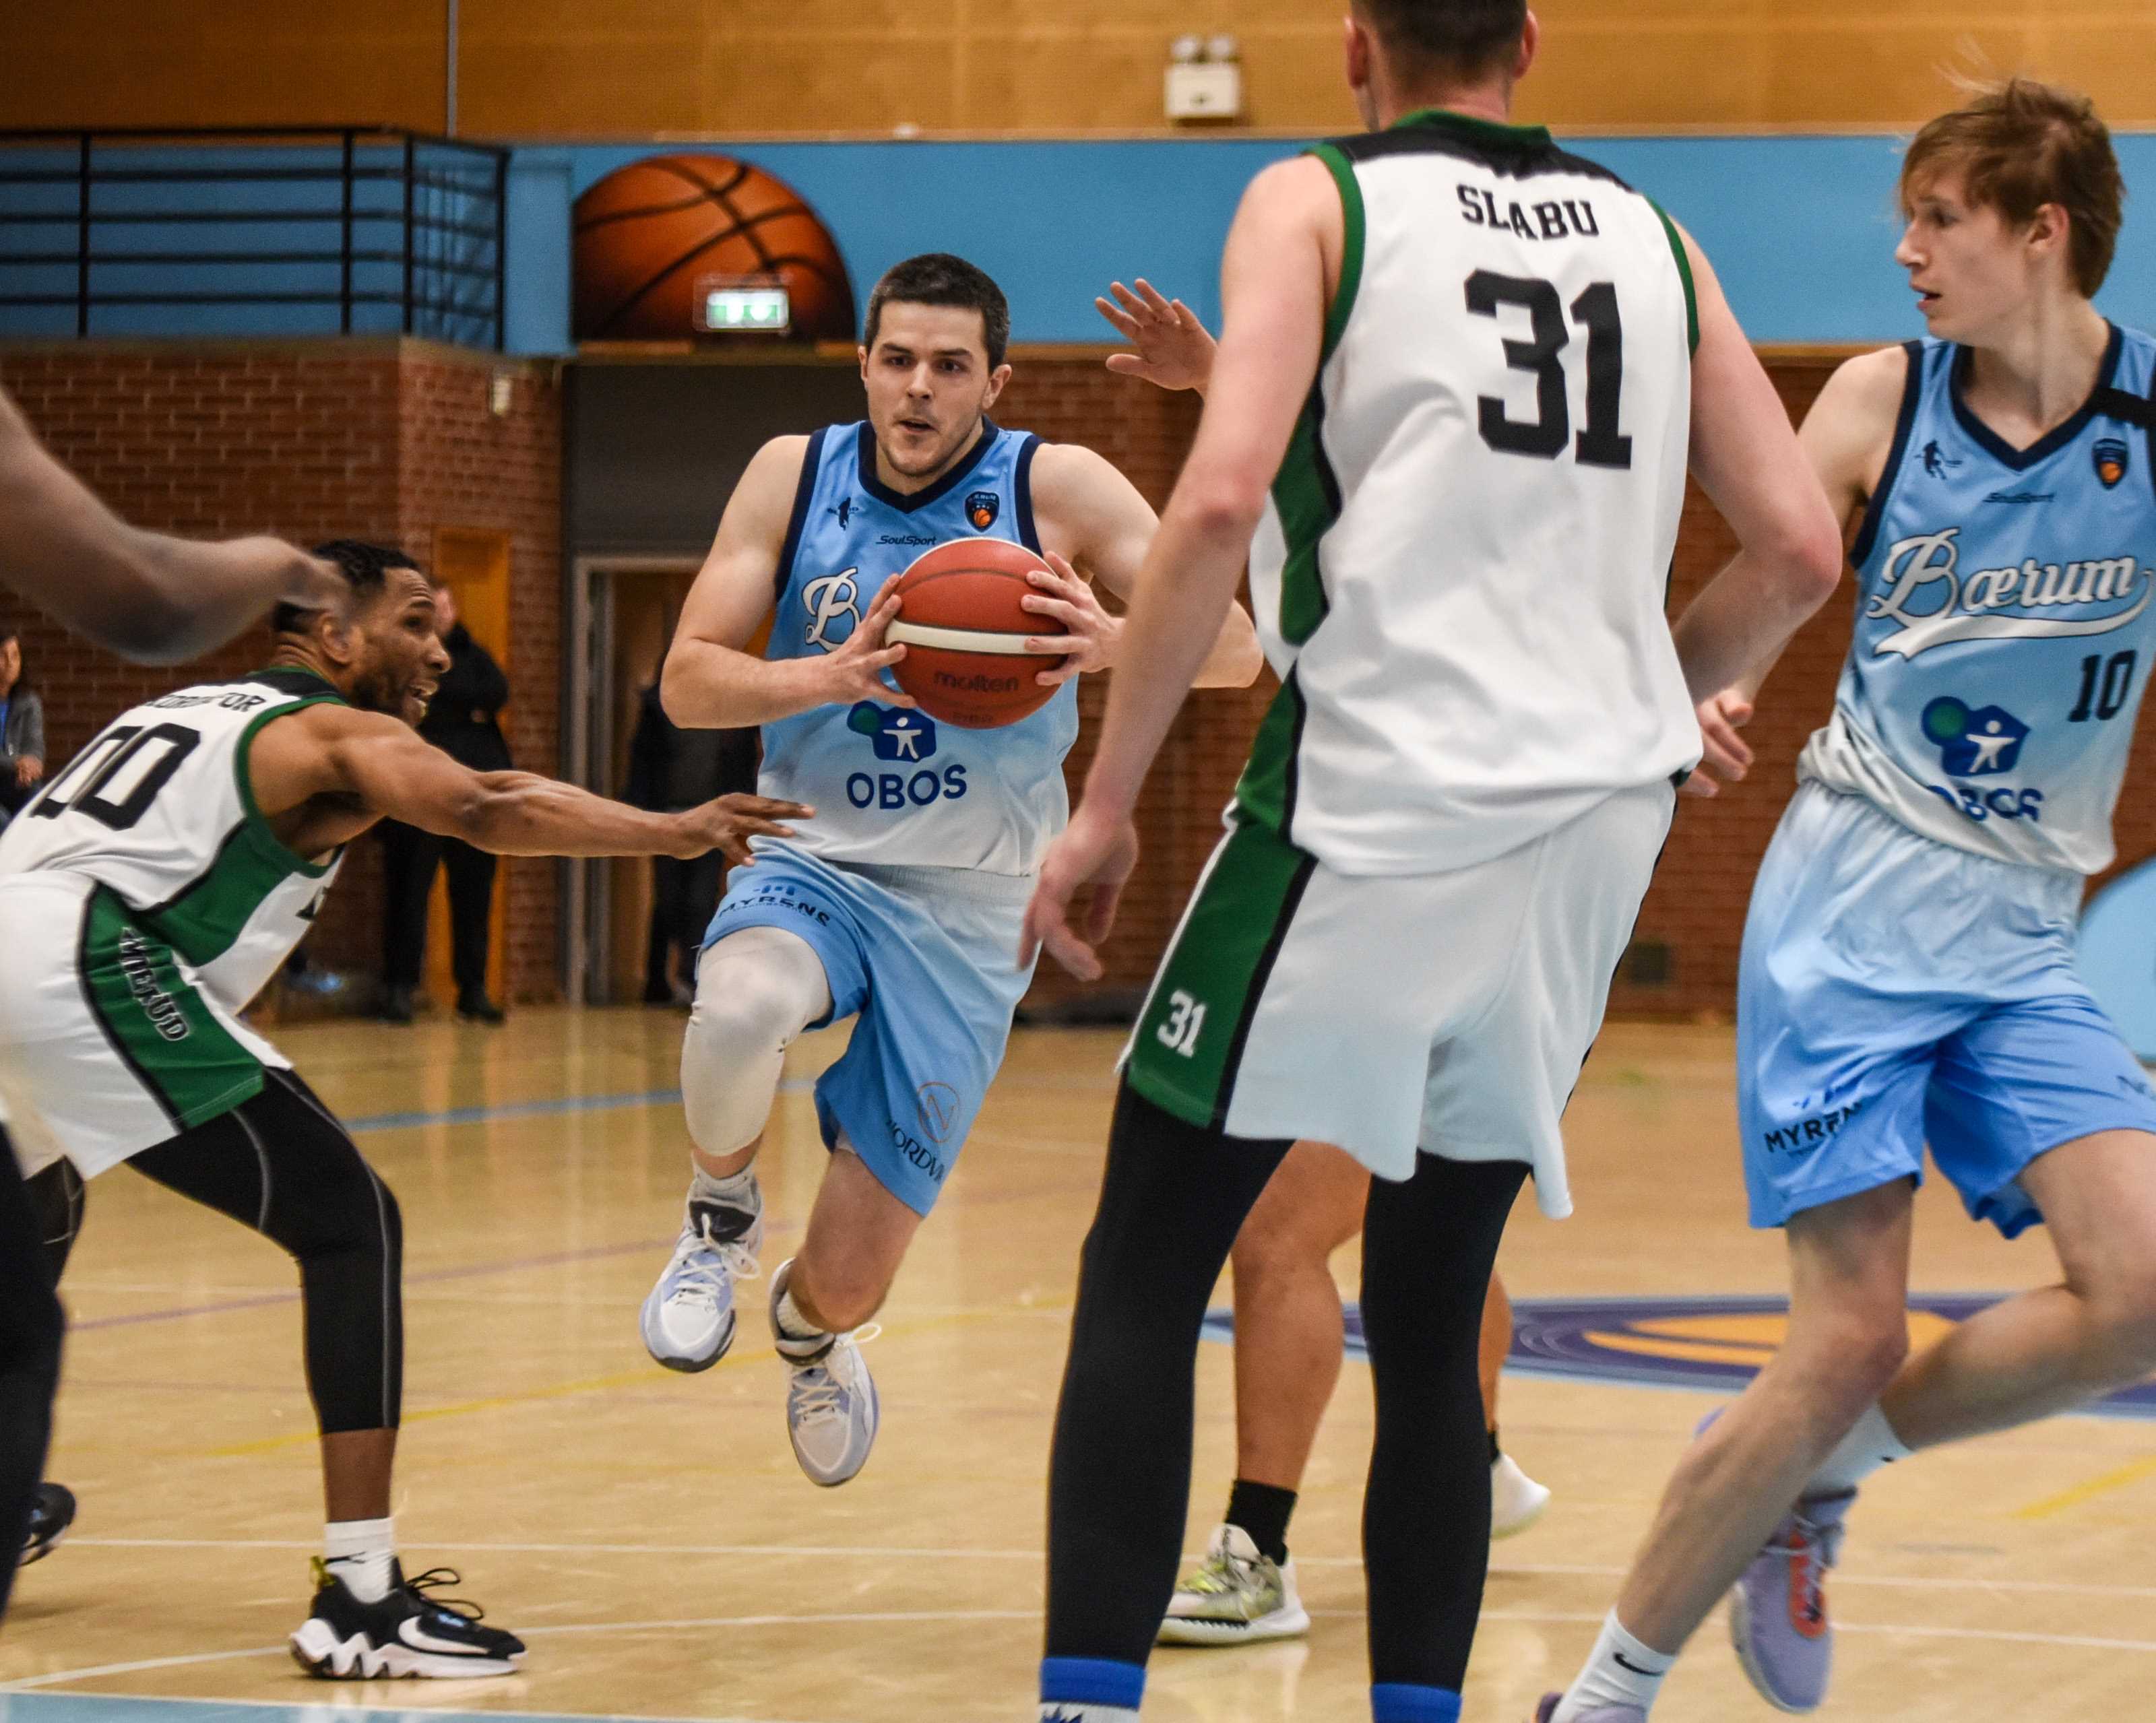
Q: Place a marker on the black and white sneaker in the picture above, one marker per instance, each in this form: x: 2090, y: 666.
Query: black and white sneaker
x: 50, y: 1515
x: 407, y: 1632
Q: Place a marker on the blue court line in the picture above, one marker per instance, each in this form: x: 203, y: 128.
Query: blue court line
x: 99, y: 1708
x: 540, y: 1109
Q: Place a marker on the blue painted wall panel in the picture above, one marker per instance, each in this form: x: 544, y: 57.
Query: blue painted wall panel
x: 1801, y: 229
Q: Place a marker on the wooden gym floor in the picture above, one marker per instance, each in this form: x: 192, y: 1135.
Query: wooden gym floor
x: 651, y: 1536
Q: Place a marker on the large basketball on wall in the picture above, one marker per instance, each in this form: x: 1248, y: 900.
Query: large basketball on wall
x: 647, y: 233
x: 963, y: 627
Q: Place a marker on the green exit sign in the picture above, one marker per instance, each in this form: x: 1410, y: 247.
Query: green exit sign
x: 747, y: 311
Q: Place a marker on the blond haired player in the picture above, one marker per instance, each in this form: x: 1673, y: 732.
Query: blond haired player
x: 1908, y: 976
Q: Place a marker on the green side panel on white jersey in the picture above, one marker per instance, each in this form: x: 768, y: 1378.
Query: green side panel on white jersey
x: 203, y: 920
x: 1306, y: 496
x: 1190, y: 1043
x: 157, y: 1020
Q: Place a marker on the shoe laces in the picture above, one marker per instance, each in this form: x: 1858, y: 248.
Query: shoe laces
x: 822, y: 1389
x: 423, y: 1586
x: 702, y: 1264
x: 1812, y: 1546
x: 1223, y: 1573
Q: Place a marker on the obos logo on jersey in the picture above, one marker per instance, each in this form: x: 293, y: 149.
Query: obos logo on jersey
x: 903, y: 738
x: 1972, y: 743
x: 896, y: 735
x: 981, y: 508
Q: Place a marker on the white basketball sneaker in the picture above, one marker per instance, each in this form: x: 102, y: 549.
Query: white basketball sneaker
x: 1234, y: 1596
x: 1517, y: 1501
x: 831, y: 1410
x: 689, y: 1317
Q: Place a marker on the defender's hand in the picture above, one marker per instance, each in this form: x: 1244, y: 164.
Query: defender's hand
x: 1174, y: 350
x: 309, y: 582
x: 854, y: 672
x: 1094, y: 635
x: 1727, y: 756
x: 1096, y: 851
x: 727, y: 824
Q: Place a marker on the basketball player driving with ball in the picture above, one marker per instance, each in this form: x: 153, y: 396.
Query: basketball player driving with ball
x: 900, y: 904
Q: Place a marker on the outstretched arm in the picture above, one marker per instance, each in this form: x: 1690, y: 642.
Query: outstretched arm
x: 709, y: 682
x: 149, y: 597
x: 370, y: 761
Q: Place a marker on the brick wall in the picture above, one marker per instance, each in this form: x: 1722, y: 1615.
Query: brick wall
x: 375, y: 439
x: 459, y: 465
x: 389, y: 440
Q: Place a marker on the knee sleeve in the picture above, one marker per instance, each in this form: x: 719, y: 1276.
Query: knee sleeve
x: 756, y: 991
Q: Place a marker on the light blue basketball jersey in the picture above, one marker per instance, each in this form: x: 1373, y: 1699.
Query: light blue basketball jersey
x: 2005, y: 631
x: 891, y: 786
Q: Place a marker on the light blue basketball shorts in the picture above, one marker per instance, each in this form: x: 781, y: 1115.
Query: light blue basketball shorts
x: 1894, y: 991
x: 926, y: 960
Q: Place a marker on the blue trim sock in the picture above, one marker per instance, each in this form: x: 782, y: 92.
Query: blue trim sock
x: 1090, y: 1689
x: 1397, y: 1702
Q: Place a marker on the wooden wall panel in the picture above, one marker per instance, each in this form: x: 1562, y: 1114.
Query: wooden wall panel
x: 626, y: 69
x: 224, y: 63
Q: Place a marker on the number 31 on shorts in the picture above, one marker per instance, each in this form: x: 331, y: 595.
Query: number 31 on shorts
x: 1186, y: 1021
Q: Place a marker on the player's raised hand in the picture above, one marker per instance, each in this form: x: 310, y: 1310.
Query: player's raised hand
x: 855, y: 671
x: 1094, y: 852
x: 727, y: 824
x: 1727, y: 756
x: 1092, y: 634
x: 1174, y: 350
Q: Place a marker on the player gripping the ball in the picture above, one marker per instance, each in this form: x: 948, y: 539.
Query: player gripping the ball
x: 900, y: 905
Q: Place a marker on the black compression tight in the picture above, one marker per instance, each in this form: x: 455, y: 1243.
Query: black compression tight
x: 1172, y: 1201
x: 30, y: 1330
x: 281, y: 1165
x: 1429, y: 1247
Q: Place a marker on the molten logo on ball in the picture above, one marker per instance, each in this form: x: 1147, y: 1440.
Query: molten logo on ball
x: 963, y: 621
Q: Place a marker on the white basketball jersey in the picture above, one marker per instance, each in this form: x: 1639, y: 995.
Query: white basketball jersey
x: 1461, y: 576
x: 159, y: 810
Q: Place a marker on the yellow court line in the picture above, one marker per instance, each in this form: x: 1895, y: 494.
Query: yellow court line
x: 2119, y: 1479
x: 647, y: 1374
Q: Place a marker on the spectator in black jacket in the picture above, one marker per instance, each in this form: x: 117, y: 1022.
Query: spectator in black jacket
x: 22, y: 731
x: 461, y: 721
x: 671, y: 768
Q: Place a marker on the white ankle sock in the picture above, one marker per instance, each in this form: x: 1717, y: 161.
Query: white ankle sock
x: 797, y: 1333
x: 1620, y: 1672
x: 737, y: 1190
x: 359, y: 1552
x: 1865, y: 1449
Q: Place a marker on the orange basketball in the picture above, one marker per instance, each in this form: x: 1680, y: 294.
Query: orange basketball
x: 963, y: 629
x: 646, y: 233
